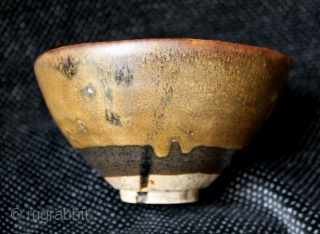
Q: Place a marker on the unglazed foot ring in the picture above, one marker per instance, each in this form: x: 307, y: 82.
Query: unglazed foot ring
x: 159, y: 197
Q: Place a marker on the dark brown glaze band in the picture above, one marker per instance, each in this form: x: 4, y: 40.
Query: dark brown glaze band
x: 141, y: 160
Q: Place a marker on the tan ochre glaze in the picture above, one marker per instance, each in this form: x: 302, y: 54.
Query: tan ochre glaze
x: 155, y: 91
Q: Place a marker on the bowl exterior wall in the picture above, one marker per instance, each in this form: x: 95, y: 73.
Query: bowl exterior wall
x: 157, y: 115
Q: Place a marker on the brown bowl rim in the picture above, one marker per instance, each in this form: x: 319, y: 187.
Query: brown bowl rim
x: 191, y: 42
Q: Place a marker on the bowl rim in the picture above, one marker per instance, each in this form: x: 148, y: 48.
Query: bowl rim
x: 187, y: 42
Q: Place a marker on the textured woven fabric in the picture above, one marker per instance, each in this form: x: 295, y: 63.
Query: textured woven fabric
x: 274, y: 186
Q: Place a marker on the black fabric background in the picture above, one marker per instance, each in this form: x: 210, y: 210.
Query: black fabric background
x: 274, y: 186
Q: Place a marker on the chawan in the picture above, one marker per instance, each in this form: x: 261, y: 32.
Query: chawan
x: 160, y: 119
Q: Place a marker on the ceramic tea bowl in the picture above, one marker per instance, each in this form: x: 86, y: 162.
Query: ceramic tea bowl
x: 160, y: 118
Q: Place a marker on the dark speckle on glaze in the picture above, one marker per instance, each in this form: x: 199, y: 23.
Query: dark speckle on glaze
x: 68, y: 66
x: 124, y: 76
x: 113, y: 118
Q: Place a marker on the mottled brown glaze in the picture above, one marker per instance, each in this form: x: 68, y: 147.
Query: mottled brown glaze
x: 153, y: 92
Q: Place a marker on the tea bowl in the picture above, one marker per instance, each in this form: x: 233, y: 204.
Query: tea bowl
x: 160, y: 119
